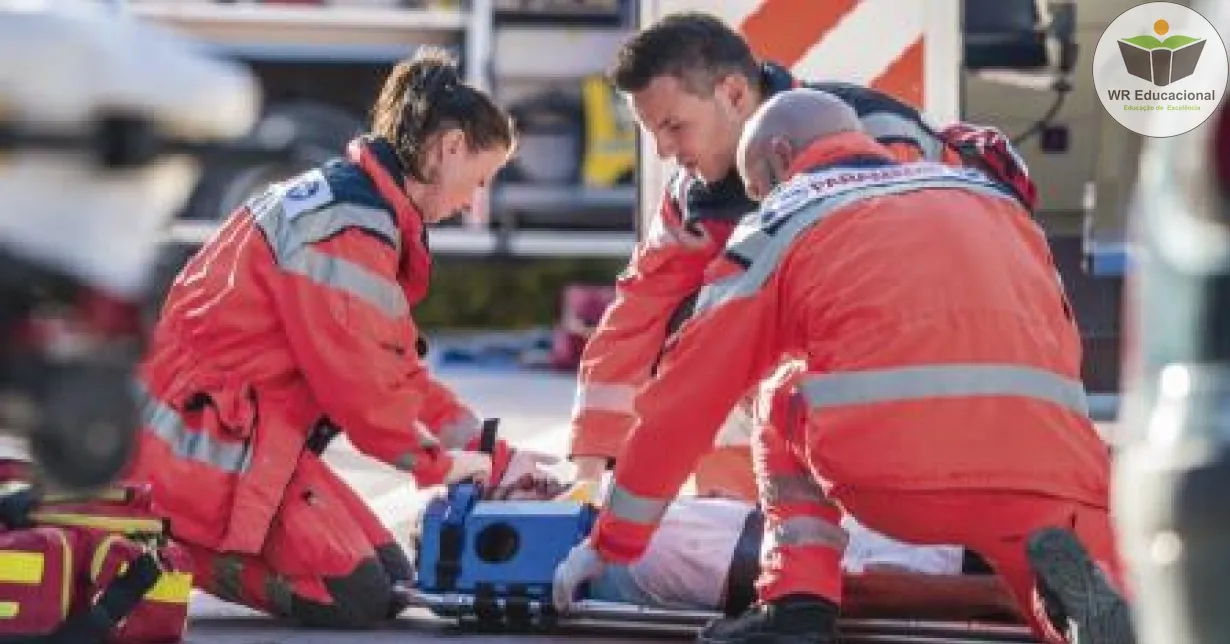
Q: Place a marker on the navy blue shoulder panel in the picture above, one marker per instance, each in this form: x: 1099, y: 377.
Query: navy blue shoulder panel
x: 351, y: 185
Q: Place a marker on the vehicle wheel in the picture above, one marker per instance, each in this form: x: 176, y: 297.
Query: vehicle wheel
x: 88, y: 427
x: 320, y: 132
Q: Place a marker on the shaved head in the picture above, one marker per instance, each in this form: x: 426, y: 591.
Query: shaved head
x: 784, y: 126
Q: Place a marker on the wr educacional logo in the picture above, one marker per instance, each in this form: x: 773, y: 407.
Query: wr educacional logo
x: 1160, y: 69
x: 1161, y: 62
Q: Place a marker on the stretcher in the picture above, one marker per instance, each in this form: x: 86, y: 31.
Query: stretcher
x: 488, y: 564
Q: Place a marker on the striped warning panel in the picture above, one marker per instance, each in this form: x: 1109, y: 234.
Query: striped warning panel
x: 870, y: 42
x: 905, y: 48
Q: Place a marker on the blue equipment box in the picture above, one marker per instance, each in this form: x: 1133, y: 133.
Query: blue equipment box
x: 497, y: 548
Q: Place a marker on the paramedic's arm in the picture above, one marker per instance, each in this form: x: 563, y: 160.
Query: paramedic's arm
x: 357, y: 352
x: 714, y: 360
x: 666, y: 267
x: 452, y: 421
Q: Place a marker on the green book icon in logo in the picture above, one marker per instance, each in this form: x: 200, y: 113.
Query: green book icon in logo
x: 1161, y: 62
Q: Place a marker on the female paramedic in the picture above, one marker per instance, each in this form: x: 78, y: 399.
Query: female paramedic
x: 292, y: 324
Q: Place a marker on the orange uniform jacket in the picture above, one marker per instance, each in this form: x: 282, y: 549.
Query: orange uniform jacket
x: 691, y: 227
x: 939, y: 344
x: 294, y: 317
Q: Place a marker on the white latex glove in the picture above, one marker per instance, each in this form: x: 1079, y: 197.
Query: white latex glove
x: 466, y: 464
x: 525, y: 462
x: 586, y: 480
x: 582, y: 564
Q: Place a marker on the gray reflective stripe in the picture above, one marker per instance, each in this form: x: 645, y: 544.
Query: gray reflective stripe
x: 458, y: 433
x: 806, y: 531
x: 942, y: 381
x: 406, y: 462
x: 9, y: 488
x: 763, y: 251
x: 280, y: 594
x: 163, y: 422
x: 793, y: 488
x: 620, y: 399
x: 427, y: 440
x: 626, y: 506
x: 341, y: 274
x: 287, y: 235
x: 228, y: 584
x: 290, y: 240
x: 886, y: 125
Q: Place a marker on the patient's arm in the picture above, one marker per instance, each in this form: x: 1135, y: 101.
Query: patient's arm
x: 920, y: 596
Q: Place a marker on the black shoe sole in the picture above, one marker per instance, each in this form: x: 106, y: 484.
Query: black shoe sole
x: 763, y: 638
x: 1094, y: 608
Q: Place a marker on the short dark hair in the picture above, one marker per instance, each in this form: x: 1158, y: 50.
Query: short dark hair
x: 425, y: 95
x: 697, y: 48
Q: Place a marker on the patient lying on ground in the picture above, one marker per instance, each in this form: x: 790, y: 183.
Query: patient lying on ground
x: 705, y: 556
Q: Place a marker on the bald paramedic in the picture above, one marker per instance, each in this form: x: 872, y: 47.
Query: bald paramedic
x: 693, y: 82
x: 941, y: 384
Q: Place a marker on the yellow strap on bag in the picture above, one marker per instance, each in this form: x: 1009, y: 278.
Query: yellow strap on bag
x: 122, y: 525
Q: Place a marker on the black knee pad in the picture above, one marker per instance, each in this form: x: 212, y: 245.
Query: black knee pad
x: 401, y: 573
x: 361, y: 599
x: 396, y: 564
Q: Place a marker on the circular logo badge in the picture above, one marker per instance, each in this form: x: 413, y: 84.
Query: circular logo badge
x: 304, y: 190
x: 1160, y: 69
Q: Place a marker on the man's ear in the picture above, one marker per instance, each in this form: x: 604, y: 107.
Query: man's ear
x: 738, y: 93
x: 780, y: 156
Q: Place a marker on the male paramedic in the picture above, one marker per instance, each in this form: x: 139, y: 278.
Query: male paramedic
x: 292, y: 324
x: 942, y: 400
x: 693, y: 82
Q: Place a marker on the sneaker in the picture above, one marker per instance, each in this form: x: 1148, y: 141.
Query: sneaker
x: 796, y: 619
x: 1075, y: 592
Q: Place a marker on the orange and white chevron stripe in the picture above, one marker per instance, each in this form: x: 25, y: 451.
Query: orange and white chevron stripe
x: 907, y: 48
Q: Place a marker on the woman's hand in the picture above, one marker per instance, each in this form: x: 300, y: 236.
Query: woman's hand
x: 468, y: 465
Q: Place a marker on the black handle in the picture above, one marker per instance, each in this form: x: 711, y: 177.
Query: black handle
x: 486, y: 440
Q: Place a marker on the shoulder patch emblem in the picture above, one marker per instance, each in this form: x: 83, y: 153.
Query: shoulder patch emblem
x: 306, y: 193
x: 789, y: 199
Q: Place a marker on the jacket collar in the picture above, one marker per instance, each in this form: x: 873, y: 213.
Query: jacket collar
x: 774, y: 78
x: 376, y: 158
x: 847, y: 148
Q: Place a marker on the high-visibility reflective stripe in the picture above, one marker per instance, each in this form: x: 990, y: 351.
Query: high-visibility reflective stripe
x: 629, y: 507
x: 793, y: 488
x: 286, y: 235
x: 123, y: 525
x: 620, y: 399
x: 761, y: 242
x: 889, y: 126
x: 171, y: 588
x: 290, y: 240
x: 22, y: 567
x: 456, y: 434
x: 163, y: 422
x: 806, y: 531
x: 344, y: 275
x: 8, y: 488
x: 942, y: 381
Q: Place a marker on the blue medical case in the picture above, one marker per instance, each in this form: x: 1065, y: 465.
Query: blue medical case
x: 497, y: 548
